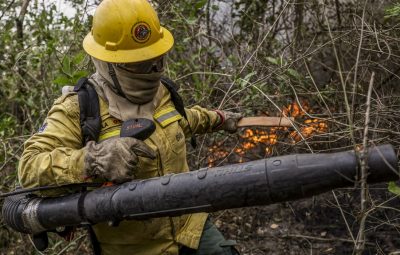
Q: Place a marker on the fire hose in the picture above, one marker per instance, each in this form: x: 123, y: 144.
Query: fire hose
x: 255, y: 183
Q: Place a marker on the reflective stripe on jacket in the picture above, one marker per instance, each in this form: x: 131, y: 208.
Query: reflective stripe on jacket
x: 54, y: 155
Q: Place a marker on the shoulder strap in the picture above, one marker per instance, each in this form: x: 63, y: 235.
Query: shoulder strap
x: 178, y: 103
x: 89, y: 107
x: 175, y: 97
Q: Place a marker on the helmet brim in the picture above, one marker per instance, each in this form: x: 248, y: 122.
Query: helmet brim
x: 151, y: 51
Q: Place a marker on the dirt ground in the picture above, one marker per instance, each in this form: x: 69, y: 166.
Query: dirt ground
x: 314, y: 225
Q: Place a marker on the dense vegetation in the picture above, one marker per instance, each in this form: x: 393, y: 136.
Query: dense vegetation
x: 314, y: 60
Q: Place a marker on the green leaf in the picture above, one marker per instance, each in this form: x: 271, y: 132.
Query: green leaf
x: 191, y: 20
x: 79, y: 74
x: 392, y: 187
x: 293, y: 73
x: 200, y: 4
x: 393, y: 11
x: 66, y: 65
x: 246, y: 80
x: 274, y: 61
x: 248, y: 76
x: 78, y: 58
x: 62, y: 80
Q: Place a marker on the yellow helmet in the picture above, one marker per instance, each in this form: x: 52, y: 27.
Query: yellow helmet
x: 127, y: 31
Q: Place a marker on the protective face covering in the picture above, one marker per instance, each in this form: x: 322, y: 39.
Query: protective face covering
x: 136, y: 91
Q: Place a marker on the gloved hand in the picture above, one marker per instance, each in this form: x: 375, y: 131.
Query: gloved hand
x: 229, y: 121
x: 115, y: 159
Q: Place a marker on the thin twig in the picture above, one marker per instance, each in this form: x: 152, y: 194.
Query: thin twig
x: 343, y: 216
x: 342, y: 81
x: 360, y: 245
x: 255, y: 51
x: 20, y: 20
x: 358, y: 57
x: 7, y: 8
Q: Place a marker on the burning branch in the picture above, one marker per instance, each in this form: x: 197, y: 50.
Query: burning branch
x: 261, y: 141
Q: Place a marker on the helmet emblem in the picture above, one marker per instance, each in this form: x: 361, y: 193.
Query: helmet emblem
x: 141, y: 32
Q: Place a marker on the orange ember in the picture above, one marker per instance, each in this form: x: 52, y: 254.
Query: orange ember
x: 258, y: 141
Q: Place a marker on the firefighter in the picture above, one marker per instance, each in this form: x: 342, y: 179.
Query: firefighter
x: 127, y: 46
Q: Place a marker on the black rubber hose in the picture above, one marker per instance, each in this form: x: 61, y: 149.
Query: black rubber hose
x: 254, y: 183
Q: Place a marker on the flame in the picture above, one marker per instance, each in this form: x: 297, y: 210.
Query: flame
x: 311, y: 126
x: 256, y: 140
x: 216, y: 154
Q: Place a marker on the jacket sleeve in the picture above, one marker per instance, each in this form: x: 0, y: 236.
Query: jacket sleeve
x: 54, y: 155
x: 200, y: 120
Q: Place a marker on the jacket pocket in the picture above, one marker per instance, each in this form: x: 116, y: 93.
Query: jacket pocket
x: 176, y: 138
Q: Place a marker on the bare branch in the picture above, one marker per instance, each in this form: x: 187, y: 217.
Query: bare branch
x: 364, y: 173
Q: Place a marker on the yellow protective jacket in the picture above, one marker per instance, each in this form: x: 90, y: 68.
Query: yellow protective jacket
x: 54, y: 155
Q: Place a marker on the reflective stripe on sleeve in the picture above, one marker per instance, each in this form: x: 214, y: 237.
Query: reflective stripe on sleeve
x: 167, y: 115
